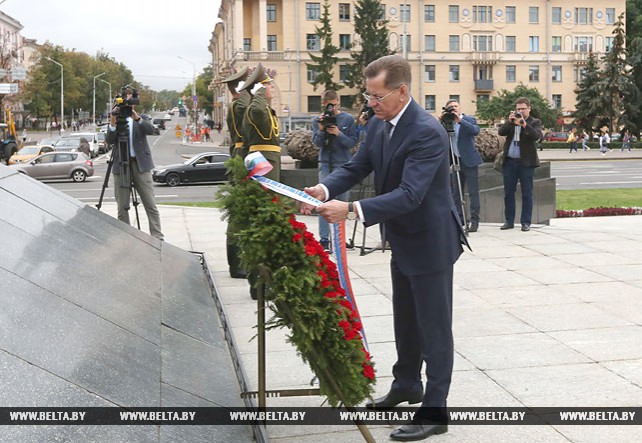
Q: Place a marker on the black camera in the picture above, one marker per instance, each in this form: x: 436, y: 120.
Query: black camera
x: 518, y: 115
x: 368, y: 111
x: 448, y: 118
x: 123, y: 104
x: 328, y: 118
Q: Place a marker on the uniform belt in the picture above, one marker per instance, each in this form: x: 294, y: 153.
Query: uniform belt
x: 132, y: 159
x: 271, y: 148
x: 238, y: 145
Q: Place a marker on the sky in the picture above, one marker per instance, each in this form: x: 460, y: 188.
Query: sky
x: 147, y: 36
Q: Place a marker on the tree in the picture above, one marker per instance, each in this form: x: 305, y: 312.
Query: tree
x: 371, y: 27
x: 499, y: 106
x: 635, y: 60
x: 633, y: 19
x: 588, y: 95
x: 325, y: 62
x: 620, y: 96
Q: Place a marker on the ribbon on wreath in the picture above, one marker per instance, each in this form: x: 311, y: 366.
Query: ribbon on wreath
x: 257, y: 167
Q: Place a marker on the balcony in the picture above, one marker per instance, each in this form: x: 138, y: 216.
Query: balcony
x: 484, y: 57
x: 260, y: 55
x: 483, y: 85
x: 581, y: 58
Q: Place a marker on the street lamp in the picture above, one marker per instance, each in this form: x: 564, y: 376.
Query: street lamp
x: 62, y: 91
x: 94, y: 108
x: 193, y: 87
x: 108, y: 104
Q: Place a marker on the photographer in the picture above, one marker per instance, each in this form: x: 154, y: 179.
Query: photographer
x: 520, y: 160
x: 334, y: 132
x: 141, y: 162
x: 465, y: 129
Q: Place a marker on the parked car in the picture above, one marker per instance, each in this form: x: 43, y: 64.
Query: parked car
x: 58, y: 165
x: 28, y: 153
x: 167, y: 117
x: 203, y: 167
x: 160, y: 122
x: 71, y: 142
x: 556, y: 137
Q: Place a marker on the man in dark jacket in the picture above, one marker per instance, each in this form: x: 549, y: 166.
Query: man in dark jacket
x: 520, y: 160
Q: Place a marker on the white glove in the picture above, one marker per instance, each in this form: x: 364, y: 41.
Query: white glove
x: 239, y: 87
x: 257, y: 87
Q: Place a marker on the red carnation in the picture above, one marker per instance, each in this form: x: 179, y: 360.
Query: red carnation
x: 368, y: 371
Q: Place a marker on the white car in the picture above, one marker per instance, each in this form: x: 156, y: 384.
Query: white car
x: 93, y: 138
x: 167, y: 117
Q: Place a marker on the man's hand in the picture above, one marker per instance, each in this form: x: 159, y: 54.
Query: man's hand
x: 316, y: 192
x: 333, y: 130
x: 333, y: 211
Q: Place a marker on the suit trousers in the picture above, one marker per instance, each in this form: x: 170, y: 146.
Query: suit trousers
x: 514, y: 171
x: 143, y: 184
x: 469, y: 177
x: 422, y: 313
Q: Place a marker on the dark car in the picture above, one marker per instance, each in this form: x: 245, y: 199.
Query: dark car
x: 149, y: 119
x: 204, y: 167
x: 160, y: 122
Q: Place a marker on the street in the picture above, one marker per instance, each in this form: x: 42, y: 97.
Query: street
x: 597, y: 174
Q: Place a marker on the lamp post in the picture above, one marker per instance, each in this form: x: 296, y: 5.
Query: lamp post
x: 94, y: 108
x: 193, y: 88
x: 62, y: 91
x: 110, y: 102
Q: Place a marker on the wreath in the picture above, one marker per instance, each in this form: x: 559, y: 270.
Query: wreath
x: 302, y: 287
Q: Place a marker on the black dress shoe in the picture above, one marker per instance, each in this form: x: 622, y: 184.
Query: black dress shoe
x: 418, y: 430
x: 507, y: 226
x: 473, y: 227
x: 526, y: 227
x: 393, y: 398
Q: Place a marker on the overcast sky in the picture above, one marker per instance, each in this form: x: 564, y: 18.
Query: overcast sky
x: 144, y: 35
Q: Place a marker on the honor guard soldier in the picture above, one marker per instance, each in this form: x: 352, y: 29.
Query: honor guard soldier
x: 261, y: 125
x: 236, y: 110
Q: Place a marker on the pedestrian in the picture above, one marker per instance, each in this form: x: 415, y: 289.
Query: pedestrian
x: 604, y: 140
x: 207, y: 134
x: 84, y: 147
x: 522, y: 131
x: 572, y: 140
x: 585, y: 138
x: 407, y: 149
x: 626, y: 141
x: 24, y: 135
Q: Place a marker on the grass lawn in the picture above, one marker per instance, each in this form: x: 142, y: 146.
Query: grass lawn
x: 567, y: 200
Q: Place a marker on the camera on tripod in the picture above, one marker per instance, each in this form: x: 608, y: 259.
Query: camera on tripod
x: 448, y: 118
x: 123, y: 103
x: 328, y: 118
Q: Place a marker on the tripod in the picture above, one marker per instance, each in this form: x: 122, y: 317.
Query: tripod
x: 456, y: 168
x: 364, y: 186
x: 125, y: 164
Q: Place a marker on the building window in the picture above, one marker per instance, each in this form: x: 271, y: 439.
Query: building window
x: 344, y: 42
x: 511, y: 73
x: 453, y: 43
x: 430, y: 73
x: 344, y: 12
x: 533, y: 73
x: 482, y: 43
x: 510, y: 14
x: 312, y: 11
x: 383, y: 11
x: 271, y: 42
x: 578, y: 73
x: 453, y: 73
x: 247, y: 44
x: 429, y: 13
x: 346, y: 101
x: 533, y: 43
x: 312, y: 75
x: 557, y: 101
x: 344, y: 72
x: 313, y: 42
x: 404, y: 13
x: 271, y: 12
x: 405, y: 43
x: 453, y: 13
x: 431, y: 103
x: 314, y: 104
x: 608, y: 43
x: 610, y: 16
x: 454, y: 97
x: 556, y: 15
x: 556, y: 73
x: 511, y: 43
x: 482, y: 14
x: 583, y: 16
x: 429, y: 43
x: 483, y: 98
x: 533, y: 14
x: 556, y: 43
x: 583, y: 44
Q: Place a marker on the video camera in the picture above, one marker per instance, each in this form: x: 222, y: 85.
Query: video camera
x: 448, y: 117
x: 123, y: 103
x: 328, y: 118
x: 368, y: 111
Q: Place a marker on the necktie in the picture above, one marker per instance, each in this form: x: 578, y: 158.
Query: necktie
x: 387, y: 130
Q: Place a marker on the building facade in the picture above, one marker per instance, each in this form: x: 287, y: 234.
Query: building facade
x: 465, y: 50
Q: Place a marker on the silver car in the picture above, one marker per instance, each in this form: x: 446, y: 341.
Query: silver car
x: 58, y: 165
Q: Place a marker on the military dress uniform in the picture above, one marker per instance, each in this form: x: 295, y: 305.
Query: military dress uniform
x: 235, y: 117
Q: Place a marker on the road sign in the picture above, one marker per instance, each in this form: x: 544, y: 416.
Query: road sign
x: 18, y: 73
x: 8, y: 88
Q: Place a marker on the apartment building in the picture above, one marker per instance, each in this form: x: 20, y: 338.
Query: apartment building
x: 467, y: 50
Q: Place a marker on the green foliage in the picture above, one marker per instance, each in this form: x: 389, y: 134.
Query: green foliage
x: 499, y: 106
x: 372, y: 30
x: 593, y: 198
x: 326, y: 61
x: 588, y: 96
x: 302, y: 288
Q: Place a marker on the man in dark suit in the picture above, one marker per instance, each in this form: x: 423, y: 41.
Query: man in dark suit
x: 408, y: 151
x: 522, y: 131
x: 465, y: 129
x: 140, y: 167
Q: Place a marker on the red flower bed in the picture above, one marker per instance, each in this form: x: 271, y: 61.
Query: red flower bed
x: 598, y: 212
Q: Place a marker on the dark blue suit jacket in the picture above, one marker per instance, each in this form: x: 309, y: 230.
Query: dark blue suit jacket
x: 412, y: 183
x: 468, y: 154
